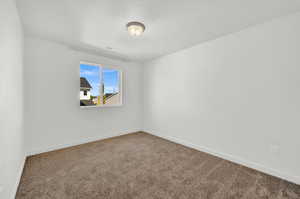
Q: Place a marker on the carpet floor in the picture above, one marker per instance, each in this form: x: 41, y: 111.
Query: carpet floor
x: 142, y: 166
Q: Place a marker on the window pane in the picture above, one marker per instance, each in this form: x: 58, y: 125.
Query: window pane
x: 99, y: 86
x: 89, y: 85
x: 111, y: 85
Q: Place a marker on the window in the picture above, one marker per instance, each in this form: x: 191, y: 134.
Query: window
x: 100, y: 85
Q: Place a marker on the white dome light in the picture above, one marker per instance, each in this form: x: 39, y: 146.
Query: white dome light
x: 135, y: 28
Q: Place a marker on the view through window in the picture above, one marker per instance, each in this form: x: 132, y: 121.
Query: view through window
x: 99, y: 85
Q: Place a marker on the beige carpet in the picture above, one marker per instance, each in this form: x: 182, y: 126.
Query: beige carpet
x: 142, y: 166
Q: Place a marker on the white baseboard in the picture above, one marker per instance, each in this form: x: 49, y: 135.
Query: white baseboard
x: 238, y: 160
x: 77, y: 142
x: 19, y: 175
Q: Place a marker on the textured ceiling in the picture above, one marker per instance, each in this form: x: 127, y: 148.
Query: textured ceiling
x: 171, y: 25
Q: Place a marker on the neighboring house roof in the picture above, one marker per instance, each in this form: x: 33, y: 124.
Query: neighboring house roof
x: 113, y: 99
x: 84, y: 83
x: 109, y: 95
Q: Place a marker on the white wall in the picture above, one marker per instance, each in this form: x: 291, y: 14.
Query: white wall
x: 52, y: 70
x: 237, y: 96
x: 11, y: 99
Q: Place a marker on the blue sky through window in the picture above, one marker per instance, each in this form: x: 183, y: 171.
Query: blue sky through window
x: 110, y: 80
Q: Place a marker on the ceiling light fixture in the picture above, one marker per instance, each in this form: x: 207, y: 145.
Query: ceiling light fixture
x: 135, y: 28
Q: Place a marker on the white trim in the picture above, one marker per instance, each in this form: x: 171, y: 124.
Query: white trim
x: 78, y: 142
x: 238, y: 160
x: 20, y: 172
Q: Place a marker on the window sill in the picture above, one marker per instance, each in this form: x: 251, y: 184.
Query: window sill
x: 103, y: 106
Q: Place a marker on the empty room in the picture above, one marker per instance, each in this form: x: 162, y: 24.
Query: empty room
x: 150, y: 99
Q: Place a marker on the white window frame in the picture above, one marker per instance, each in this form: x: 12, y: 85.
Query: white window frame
x: 120, y: 84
